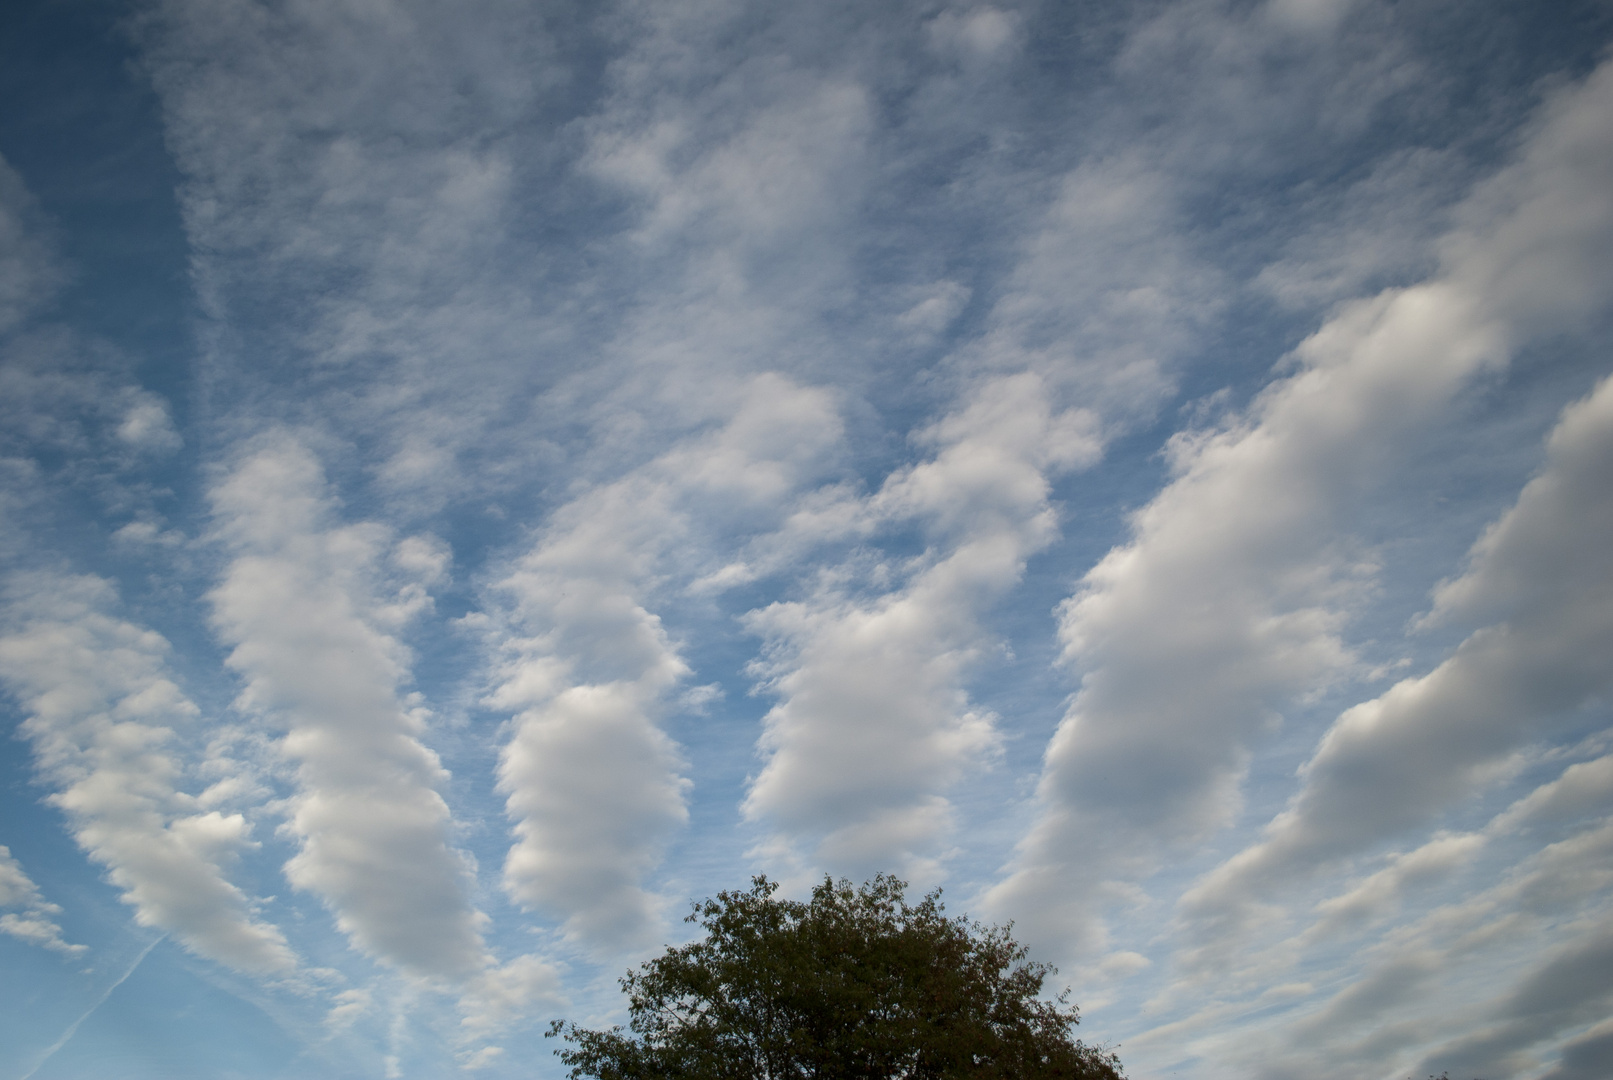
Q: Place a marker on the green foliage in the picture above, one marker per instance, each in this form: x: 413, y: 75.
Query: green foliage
x: 854, y: 983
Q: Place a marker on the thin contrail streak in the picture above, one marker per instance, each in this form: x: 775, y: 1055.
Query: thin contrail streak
x: 73, y: 1027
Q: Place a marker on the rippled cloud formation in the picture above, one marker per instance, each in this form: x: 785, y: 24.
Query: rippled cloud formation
x: 475, y: 477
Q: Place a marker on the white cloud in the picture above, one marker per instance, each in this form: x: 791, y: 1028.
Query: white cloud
x: 36, y: 921
x: 593, y: 784
x: 351, y: 1005
x: 874, y: 726
x: 30, y: 269
x: 1438, y: 994
x: 36, y: 927
x: 60, y: 391
x: 147, y: 532
x: 1412, y: 993
x: 1380, y: 894
x: 1583, y: 788
x: 386, y: 241
x: 1552, y: 882
x: 501, y: 257
x: 1378, y: 230
x: 17, y: 889
x: 934, y: 309
x: 594, y: 790
x: 147, y: 426
x: 1231, y: 597
x: 305, y: 605
x: 65, y: 394
x: 1546, y: 570
x: 103, y: 712
x: 1249, y: 97
x: 975, y: 36
x: 1587, y: 1057
x: 742, y: 199
x: 504, y: 995
x: 1309, y: 15
x: 1566, y: 990
x: 1106, y: 293
x: 483, y: 1058
x: 775, y: 176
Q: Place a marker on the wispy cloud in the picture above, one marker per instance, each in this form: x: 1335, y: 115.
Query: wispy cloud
x: 31, y: 269
x: 1230, y: 600
x: 72, y: 1029
x: 103, y: 718
x: 874, y: 725
x: 1392, y: 762
x: 593, y: 783
x: 1055, y: 415
x: 32, y: 918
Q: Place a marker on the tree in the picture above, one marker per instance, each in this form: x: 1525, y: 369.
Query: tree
x: 854, y: 984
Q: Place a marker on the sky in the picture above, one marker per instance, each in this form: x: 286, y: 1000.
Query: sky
x: 476, y: 477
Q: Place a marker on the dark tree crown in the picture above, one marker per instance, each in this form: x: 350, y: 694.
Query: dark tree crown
x: 853, y: 984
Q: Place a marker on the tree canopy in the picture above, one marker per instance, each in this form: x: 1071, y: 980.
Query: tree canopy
x: 853, y: 983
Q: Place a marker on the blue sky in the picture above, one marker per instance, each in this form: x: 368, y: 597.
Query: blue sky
x: 475, y: 477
